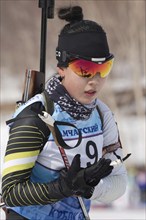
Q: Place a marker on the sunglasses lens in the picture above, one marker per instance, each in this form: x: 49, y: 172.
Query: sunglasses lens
x: 89, y: 69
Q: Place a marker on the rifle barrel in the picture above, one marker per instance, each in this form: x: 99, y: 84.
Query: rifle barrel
x: 47, y: 12
x: 43, y: 4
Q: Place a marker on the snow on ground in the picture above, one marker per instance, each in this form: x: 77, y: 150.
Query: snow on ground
x: 117, y: 214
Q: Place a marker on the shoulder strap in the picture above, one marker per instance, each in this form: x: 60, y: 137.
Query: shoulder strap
x: 49, y: 105
x: 101, y: 116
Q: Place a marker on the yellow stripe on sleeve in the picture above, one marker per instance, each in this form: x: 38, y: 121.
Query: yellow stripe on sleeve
x: 21, y: 155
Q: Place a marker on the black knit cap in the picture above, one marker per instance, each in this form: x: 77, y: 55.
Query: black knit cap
x: 81, y: 37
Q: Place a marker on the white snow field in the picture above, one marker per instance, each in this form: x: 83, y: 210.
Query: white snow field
x: 118, y: 214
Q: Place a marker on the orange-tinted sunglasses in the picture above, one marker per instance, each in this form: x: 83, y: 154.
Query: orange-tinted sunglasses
x: 89, y: 69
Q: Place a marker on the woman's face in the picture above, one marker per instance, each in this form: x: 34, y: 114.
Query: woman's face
x: 84, y: 90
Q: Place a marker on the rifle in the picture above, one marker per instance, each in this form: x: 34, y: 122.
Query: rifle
x: 35, y: 80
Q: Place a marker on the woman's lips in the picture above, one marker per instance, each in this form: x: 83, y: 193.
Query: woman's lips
x: 90, y: 92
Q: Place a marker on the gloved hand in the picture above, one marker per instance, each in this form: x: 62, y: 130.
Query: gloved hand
x: 79, y: 181
x: 73, y: 181
x: 94, y: 173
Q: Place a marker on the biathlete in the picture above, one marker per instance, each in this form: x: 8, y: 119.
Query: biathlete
x: 35, y: 183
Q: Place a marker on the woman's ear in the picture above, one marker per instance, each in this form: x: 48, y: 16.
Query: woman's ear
x: 61, y: 71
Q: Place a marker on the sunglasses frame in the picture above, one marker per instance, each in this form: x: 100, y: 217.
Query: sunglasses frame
x: 94, y: 60
x: 69, y: 57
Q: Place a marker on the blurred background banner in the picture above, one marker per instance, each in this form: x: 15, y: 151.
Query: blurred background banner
x: 125, y: 24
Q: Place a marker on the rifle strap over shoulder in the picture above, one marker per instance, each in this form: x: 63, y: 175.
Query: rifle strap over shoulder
x: 49, y: 104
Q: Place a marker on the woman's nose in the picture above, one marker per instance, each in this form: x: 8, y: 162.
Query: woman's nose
x: 95, y: 78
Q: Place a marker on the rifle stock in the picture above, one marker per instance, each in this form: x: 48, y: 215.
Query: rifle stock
x: 34, y: 83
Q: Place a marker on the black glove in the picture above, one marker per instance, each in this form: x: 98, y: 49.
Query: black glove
x: 94, y: 173
x: 79, y: 181
x: 73, y: 179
